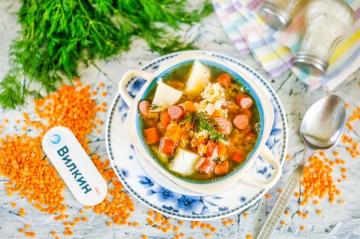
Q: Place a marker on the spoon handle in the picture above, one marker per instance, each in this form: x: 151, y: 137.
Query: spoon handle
x: 281, y: 204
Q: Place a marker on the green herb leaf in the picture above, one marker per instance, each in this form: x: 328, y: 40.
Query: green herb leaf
x: 202, y: 122
x: 12, y: 92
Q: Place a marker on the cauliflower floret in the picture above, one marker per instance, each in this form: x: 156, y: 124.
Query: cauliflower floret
x: 213, y: 92
x: 213, y: 99
x: 209, y: 108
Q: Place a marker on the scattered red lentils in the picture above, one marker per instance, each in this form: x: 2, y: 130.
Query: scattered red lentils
x: 317, y: 180
x: 31, y: 176
x: 30, y: 234
x: 227, y: 222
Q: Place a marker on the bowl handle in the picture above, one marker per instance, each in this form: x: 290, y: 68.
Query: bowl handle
x: 267, y: 155
x: 126, y: 78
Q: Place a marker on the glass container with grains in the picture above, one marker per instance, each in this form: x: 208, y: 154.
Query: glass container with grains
x: 327, y: 23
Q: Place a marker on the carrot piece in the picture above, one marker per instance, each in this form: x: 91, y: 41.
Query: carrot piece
x: 224, y: 80
x: 167, y: 146
x: 222, y: 149
x: 222, y: 168
x: 189, y: 106
x: 238, y: 156
x: 164, y: 119
x: 151, y: 135
x: 216, y: 114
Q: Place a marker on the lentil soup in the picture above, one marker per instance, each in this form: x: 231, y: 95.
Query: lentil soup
x: 199, y: 122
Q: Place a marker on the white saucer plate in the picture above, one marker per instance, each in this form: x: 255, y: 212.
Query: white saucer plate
x: 170, y: 199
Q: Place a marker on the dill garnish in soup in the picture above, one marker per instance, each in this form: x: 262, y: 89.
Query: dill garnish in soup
x: 199, y: 122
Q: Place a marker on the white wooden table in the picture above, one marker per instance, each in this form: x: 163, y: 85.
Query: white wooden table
x: 337, y: 221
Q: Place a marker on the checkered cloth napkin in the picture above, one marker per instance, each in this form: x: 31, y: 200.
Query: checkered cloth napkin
x: 274, y: 50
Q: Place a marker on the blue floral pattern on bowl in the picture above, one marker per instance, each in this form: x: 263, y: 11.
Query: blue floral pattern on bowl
x: 181, y: 205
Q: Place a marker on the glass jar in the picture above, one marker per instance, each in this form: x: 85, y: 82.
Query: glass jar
x: 327, y: 22
x: 278, y: 13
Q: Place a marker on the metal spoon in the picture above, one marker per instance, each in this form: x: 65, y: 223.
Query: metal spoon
x: 320, y: 128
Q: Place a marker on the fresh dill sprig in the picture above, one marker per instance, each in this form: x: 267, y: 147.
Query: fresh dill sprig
x: 202, y: 122
x: 56, y: 36
x: 154, y: 107
x: 12, y: 92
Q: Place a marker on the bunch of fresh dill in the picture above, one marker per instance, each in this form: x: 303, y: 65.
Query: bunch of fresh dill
x: 56, y: 36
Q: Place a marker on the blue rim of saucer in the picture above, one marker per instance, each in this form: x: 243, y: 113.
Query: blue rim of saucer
x: 218, y: 215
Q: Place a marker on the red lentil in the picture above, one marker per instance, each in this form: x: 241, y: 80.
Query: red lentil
x: 318, y: 211
x: 267, y: 196
x: 30, y: 234
x: 248, y: 236
x: 21, y: 212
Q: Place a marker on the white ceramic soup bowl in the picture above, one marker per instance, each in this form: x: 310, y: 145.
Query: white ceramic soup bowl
x: 240, y: 172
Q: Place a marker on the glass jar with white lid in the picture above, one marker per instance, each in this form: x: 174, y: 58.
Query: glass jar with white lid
x: 327, y: 23
x: 278, y: 13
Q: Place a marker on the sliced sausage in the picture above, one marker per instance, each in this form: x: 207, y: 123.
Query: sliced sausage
x: 224, y: 80
x: 207, y: 166
x: 167, y: 146
x: 241, y: 121
x: 222, y: 168
x: 225, y: 125
x: 176, y: 112
x: 244, y: 101
x: 144, y: 108
x: 211, y: 149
